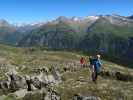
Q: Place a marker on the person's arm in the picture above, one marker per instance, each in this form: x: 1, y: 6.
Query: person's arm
x: 99, y: 62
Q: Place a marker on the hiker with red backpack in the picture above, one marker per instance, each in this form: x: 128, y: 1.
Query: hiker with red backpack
x: 82, y: 62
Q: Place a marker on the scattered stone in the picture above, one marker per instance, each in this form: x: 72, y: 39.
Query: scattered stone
x: 56, y: 74
x: 36, y: 83
x: 52, y: 95
x: 4, y: 84
x: 81, y: 97
x: 117, y: 75
x: 20, y: 93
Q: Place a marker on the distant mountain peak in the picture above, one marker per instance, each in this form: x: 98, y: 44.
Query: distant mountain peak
x: 130, y: 17
x: 4, y: 23
x: 62, y: 18
x: 92, y: 18
x: 76, y: 18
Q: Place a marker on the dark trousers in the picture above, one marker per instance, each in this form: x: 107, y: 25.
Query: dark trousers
x: 94, y: 76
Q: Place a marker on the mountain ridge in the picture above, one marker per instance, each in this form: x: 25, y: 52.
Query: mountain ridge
x: 108, y: 34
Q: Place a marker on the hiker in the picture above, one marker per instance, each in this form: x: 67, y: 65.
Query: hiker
x: 82, y: 62
x: 95, y: 65
x: 91, y: 61
x: 85, y: 62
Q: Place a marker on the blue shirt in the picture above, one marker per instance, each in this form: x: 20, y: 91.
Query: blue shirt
x: 97, y: 65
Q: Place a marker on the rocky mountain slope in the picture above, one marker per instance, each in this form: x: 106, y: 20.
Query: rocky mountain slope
x: 61, y: 76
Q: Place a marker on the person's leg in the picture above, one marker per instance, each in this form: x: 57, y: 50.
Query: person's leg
x: 90, y: 72
x: 96, y: 75
x: 93, y: 74
x: 81, y: 66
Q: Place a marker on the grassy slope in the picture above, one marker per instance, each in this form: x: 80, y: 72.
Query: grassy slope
x: 106, y: 89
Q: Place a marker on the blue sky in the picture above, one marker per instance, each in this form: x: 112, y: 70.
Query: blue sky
x: 19, y: 11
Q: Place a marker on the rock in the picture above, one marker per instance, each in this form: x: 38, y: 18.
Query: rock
x: 117, y: 75
x: 52, y: 95
x: 55, y: 96
x: 37, y: 83
x: 16, y: 82
x: 123, y: 77
x: 91, y: 98
x: 4, y: 85
x: 42, y: 77
x: 13, y: 86
x: 51, y: 79
x: 20, y: 93
x: 56, y: 74
x: 77, y: 97
x: 81, y: 97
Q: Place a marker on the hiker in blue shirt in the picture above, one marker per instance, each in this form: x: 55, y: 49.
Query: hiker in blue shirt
x: 96, y: 67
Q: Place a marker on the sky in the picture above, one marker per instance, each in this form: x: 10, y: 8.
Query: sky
x: 29, y: 11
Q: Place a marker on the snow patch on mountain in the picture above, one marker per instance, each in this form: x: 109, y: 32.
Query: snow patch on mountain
x: 92, y: 17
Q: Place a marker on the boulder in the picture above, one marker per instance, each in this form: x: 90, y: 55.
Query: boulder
x: 117, y: 75
x: 82, y: 97
x: 37, y: 83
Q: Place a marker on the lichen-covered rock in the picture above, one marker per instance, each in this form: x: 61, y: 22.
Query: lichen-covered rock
x: 82, y: 97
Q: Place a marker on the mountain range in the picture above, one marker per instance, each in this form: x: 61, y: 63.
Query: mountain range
x: 111, y: 35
